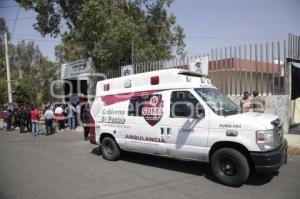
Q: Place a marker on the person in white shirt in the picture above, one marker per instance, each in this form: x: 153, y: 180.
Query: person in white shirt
x: 78, y: 114
x: 49, y: 117
x: 59, y: 118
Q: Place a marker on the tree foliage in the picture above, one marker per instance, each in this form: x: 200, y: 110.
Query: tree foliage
x: 109, y: 30
x: 30, y: 72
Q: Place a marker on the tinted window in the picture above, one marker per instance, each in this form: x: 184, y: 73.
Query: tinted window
x: 136, y: 104
x: 184, y: 104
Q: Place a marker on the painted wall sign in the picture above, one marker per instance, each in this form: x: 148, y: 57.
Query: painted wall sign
x: 76, y: 68
x: 127, y: 70
x: 199, y: 65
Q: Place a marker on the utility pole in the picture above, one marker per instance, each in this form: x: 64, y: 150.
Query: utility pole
x: 7, y: 70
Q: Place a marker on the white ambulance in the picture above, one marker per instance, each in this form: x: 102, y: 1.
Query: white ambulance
x: 179, y: 114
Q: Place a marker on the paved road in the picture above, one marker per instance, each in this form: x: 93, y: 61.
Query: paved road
x: 63, y: 166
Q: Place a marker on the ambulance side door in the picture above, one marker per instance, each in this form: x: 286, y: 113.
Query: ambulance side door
x: 145, y: 119
x: 186, y: 129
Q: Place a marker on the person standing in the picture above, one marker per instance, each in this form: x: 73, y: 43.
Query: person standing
x: 78, y: 114
x: 4, y: 119
x: 71, y: 112
x: 85, y: 120
x: 245, y: 102
x: 28, y: 120
x: 21, y: 119
x: 258, y: 103
x: 59, y: 118
x: 35, y: 117
x: 1, y: 114
x: 15, y: 118
x: 9, y: 119
x: 49, y: 117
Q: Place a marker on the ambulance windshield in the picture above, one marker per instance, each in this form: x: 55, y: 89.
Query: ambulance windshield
x: 219, y: 103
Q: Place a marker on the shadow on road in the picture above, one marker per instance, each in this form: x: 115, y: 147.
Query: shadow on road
x: 189, y: 167
x: 96, y: 151
x: 257, y: 179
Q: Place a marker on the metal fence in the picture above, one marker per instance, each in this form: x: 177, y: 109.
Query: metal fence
x: 294, y: 46
x: 236, y: 69
x: 257, y: 67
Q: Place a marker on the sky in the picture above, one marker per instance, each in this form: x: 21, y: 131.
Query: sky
x: 207, y: 23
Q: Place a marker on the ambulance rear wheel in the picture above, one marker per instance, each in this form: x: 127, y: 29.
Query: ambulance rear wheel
x: 110, y: 149
x: 230, y: 166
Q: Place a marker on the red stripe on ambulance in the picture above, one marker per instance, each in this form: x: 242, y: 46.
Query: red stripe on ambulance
x: 112, y: 99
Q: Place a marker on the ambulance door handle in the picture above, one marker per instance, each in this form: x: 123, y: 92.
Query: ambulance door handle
x: 168, y: 132
x: 162, y: 131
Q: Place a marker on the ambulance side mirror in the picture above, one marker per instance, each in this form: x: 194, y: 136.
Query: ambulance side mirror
x: 200, y: 112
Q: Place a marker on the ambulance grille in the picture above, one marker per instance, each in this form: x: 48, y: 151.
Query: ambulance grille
x: 278, y: 132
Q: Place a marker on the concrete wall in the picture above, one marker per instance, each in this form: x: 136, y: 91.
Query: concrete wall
x: 275, y: 104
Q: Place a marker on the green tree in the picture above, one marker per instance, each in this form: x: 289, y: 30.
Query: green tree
x: 30, y: 72
x: 109, y: 30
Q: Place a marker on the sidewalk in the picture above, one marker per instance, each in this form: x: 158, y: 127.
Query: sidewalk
x: 293, y: 138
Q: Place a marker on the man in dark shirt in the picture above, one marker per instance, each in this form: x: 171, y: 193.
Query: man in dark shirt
x: 28, y: 120
x: 9, y: 118
x: 85, y: 120
x: 21, y: 119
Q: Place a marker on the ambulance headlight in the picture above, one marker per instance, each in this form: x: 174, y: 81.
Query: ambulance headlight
x: 265, y: 140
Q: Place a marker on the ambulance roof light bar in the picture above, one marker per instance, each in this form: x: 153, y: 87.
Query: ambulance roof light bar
x: 154, y: 80
x: 191, y: 73
x: 106, y: 87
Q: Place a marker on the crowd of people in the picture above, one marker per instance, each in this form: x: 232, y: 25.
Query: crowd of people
x: 16, y: 118
x: 56, y: 119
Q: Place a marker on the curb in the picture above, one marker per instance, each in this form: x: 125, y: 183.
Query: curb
x: 293, y: 150
x: 293, y: 144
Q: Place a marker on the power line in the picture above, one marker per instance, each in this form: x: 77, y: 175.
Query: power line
x: 25, y: 18
x: 235, y: 38
x: 39, y: 40
x: 27, y: 35
x: 50, y: 41
x: 83, y: 43
x: 10, y: 6
x: 15, y: 21
x: 187, y: 37
x: 19, y: 19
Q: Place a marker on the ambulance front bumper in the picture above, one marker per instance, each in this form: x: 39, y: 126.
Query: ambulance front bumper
x: 270, y: 161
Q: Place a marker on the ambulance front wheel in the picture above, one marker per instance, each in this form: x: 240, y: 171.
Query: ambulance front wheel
x: 110, y: 149
x: 230, y: 166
